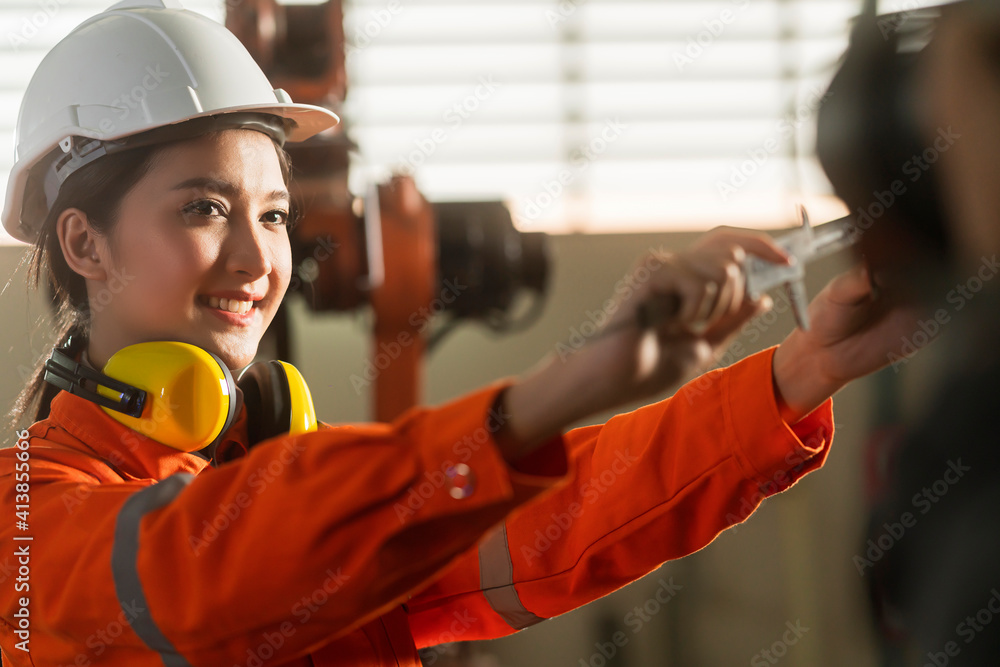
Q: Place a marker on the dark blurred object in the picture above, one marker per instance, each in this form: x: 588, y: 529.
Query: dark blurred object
x: 931, y: 555
x: 874, y: 150
x: 479, y: 247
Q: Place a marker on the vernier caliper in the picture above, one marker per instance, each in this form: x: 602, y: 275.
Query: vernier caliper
x: 805, y: 244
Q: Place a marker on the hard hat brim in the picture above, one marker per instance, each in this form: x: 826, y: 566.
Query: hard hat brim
x: 307, y: 121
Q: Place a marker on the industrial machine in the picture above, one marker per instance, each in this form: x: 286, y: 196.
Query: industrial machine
x: 387, y: 247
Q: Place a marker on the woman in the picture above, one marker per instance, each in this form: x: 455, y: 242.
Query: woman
x: 352, y: 545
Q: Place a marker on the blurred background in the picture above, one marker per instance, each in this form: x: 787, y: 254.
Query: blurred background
x: 611, y: 127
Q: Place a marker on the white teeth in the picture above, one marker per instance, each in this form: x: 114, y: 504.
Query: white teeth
x: 230, y: 305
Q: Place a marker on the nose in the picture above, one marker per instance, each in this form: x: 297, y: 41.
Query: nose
x: 249, y: 253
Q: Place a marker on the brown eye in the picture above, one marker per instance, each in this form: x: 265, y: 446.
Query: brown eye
x: 281, y: 217
x: 203, y: 207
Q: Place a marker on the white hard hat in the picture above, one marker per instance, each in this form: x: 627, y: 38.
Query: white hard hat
x: 137, y: 66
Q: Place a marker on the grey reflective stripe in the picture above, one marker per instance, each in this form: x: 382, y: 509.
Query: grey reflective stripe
x: 496, y: 579
x: 125, y: 564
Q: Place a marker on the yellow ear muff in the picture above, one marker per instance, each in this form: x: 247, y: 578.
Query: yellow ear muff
x: 190, y: 395
x: 277, y: 399
x: 302, y: 412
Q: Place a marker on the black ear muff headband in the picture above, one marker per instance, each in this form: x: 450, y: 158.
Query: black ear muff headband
x: 174, y: 393
x: 70, y: 375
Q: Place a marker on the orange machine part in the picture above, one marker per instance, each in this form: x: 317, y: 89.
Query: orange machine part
x: 301, y: 49
x: 401, y: 302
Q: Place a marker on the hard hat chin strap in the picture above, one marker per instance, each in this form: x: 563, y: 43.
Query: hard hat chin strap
x: 81, y: 151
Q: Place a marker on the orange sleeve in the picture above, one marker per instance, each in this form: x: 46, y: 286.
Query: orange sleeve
x: 646, y: 487
x: 303, y: 539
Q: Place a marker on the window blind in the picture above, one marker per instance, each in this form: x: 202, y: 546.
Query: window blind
x: 583, y: 115
x: 600, y: 115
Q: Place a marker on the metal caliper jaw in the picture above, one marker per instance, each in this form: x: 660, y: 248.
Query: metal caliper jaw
x: 804, y: 245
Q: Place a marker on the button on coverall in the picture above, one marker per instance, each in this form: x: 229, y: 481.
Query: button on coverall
x: 358, y: 544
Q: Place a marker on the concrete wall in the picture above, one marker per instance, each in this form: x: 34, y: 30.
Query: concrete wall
x: 790, y: 563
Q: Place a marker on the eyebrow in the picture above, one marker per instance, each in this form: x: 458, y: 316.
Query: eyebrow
x: 225, y: 187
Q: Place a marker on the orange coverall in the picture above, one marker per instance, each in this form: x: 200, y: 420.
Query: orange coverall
x: 360, y: 543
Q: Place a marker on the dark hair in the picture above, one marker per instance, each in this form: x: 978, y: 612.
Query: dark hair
x: 97, y: 189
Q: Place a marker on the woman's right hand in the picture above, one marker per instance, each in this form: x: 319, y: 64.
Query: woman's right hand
x: 630, y: 364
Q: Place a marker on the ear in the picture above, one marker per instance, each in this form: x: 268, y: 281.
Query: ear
x: 84, y: 249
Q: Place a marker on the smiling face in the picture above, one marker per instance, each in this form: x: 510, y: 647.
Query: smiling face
x: 199, y: 252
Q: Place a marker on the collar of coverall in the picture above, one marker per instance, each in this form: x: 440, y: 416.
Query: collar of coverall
x: 131, y: 454
x: 223, y: 449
